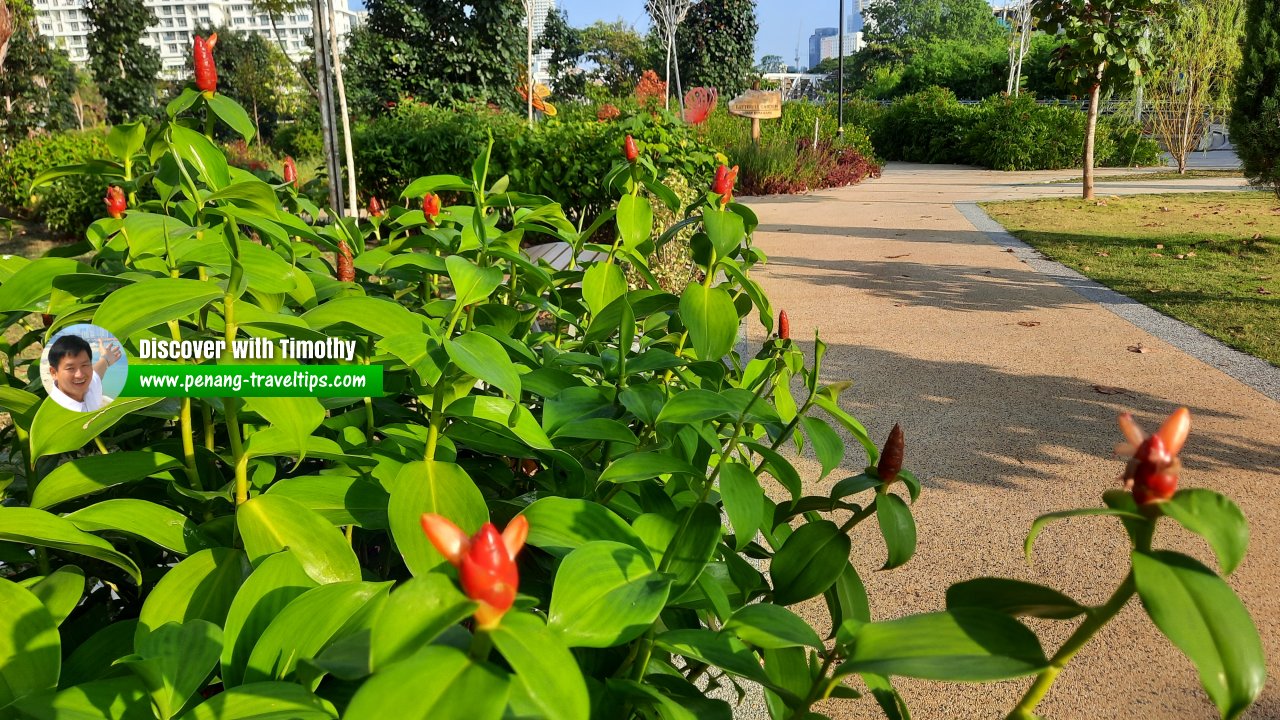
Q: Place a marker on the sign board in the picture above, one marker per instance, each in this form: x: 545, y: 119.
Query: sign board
x: 757, y: 104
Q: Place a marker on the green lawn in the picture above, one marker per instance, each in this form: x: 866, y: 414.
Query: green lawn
x: 1158, y: 176
x: 1211, y: 260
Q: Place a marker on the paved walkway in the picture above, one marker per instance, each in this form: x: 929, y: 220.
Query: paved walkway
x: 994, y: 371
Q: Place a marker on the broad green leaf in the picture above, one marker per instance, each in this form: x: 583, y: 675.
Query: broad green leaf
x: 29, y: 644
x: 339, y: 499
x: 431, y: 487
x: 779, y: 468
x: 126, y: 139
x: 963, y: 645
x: 200, y: 587
x: 897, y: 527
x: 94, y: 657
x: 271, y: 523
x: 602, y: 283
x: 308, y: 624
x: 29, y: 288
x: 1013, y: 597
x: 826, y: 444
x: 275, y: 583
x: 94, y: 473
x: 232, y: 114
x: 809, y: 562
x: 437, y: 683
x: 725, y: 229
x: 158, y: 524
x: 1039, y: 523
x: 174, y: 661
x: 847, y: 598
x: 263, y: 701
x: 711, y: 319
x: 30, y: 526
x: 1215, y: 518
x: 499, y: 413
x: 560, y: 525
x: 60, y: 591
x: 721, y: 649
x: 634, y: 467
x: 375, y: 316
x: 433, y: 183
x: 56, y: 429
x: 1201, y: 615
x: 154, y: 302
x: 471, y: 283
x: 606, y: 594
x: 887, y: 697
x: 692, y: 550
x: 209, y: 162
x: 417, y: 611
x: 116, y: 698
x: 770, y: 627
x: 480, y: 356
x: 635, y: 219
x: 743, y: 500
x: 295, y: 417
x: 543, y: 666
x: 146, y: 233
x: 693, y: 406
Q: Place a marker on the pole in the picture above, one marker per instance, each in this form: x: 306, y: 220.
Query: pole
x: 342, y: 107
x: 840, y: 78
x: 528, y: 11
x: 326, y: 106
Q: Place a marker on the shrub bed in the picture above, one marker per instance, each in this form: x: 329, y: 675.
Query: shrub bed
x: 67, y: 206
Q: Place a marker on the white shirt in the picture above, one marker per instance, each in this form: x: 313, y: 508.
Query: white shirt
x: 92, y: 397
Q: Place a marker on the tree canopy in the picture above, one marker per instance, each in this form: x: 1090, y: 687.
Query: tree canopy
x: 1255, y: 115
x: 717, y: 45
x: 123, y: 67
x: 36, y: 82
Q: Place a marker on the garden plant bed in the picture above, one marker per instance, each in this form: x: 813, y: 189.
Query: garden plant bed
x: 1211, y: 260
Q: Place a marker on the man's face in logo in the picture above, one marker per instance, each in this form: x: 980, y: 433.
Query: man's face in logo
x: 72, y: 375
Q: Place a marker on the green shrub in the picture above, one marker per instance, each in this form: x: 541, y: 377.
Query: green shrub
x: 1014, y: 133
x: 298, y: 139
x: 1121, y: 143
x: 926, y: 127
x: 67, y: 206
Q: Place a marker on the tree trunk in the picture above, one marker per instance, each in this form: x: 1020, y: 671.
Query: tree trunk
x: 1091, y: 131
x: 345, y: 115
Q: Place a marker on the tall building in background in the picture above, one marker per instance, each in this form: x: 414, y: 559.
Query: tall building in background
x: 831, y: 45
x: 542, y: 58
x: 815, y: 44
x: 65, y: 24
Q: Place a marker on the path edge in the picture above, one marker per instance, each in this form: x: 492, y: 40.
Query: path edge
x: 1254, y: 372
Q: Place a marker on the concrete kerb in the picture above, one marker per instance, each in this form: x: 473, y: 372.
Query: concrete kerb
x: 1254, y: 372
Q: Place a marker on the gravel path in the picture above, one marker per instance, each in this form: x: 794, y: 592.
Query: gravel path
x: 994, y: 369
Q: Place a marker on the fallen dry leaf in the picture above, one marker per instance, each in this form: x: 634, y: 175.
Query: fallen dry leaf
x: 1159, y: 246
x: 1263, y: 291
x: 1180, y: 256
x: 1109, y: 390
x: 1103, y: 254
x: 1139, y: 348
x: 1100, y: 203
x: 1029, y: 323
x: 1008, y: 249
x: 1157, y: 254
x: 895, y: 257
x: 1191, y: 254
x: 1264, y: 277
x: 1165, y: 208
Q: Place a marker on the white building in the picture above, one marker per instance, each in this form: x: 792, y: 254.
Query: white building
x: 65, y: 24
x: 830, y: 46
x: 542, y: 59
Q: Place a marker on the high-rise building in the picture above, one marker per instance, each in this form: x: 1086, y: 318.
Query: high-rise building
x: 815, y: 44
x: 65, y: 24
x: 831, y: 45
x: 542, y: 58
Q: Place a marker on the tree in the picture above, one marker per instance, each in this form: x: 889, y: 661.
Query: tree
x: 438, y: 51
x: 274, y: 10
x: 921, y: 22
x: 1255, y: 112
x: 772, y: 63
x: 618, y: 53
x: 1021, y: 22
x: 666, y: 16
x: 717, y: 44
x: 1192, y: 87
x: 1105, y: 42
x: 123, y: 67
x: 566, y: 46
x: 36, y: 81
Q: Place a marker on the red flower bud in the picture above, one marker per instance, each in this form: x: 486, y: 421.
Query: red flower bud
x: 115, y: 201
x: 630, y: 150
x: 784, y: 325
x: 891, y: 456
x: 211, y: 41
x: 375, y: 207
x: 1154, y: 467
x: 290, y: 171
x: 202, y: 59
x: 431, y: 206
x: 723, y: 185
x: 486, y: 562
x: 346, y: 264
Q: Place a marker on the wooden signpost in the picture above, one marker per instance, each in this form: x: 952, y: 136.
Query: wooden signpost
x: 757, y: 105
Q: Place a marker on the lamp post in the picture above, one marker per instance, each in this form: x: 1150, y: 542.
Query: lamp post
x: 840, y: 78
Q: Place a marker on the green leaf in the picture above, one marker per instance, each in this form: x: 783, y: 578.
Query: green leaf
x: 725, y: 229
x: 147, y: 233
x: 471, y: 283
x: 897, y: 527
x: 964, y: 645
x: 433, y: 183
x: 310, y: 623
x: 847, y: 598
x: 295, y: 417
x: 692, y: 550
x: 743, y: 501
x: 145, y: 304
x: 56, y: 429
x: 1201, y: 615
x: 1013, y: 597
x: 544, y: 667
x: 606, y: 594
x: 438, y: 683
x: 209, y: 162
x: 560, y: 525
x: 276, y: 582
x: 174, y: 661
x: 375, y: 316
x: 809, y: 561
x: 721, y: 649
x: 1039, y: 523
x: 94, y: 473
x: 165, y: 527
x: 232, y: 114
x: 263, y: 701
x: 270, y: 523
x: 602, y: 283
x: 29, y: 643
x: 887, y: 697
x: 826, y: 444
x: 1215, y: 518
x: 771, y: 627
x: 635, y: 467
x: 417, y: 612
x: 692, y: 406
x: 635, y: 219
x: 116, y: 698
x: 501, y: 415
x: 200, y: 587
x: 432, y: 487
x: 29, y: 288
x: 339, y: 499
x: 711, y: 319
x: 60, y: 591
x: 37, y: 527
x: 480, y: 356
x: 94, y: 657
x: 185, y: 99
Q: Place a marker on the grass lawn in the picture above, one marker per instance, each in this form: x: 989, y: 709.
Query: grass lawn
x: 1157, y: 176
x: 1211, y: 260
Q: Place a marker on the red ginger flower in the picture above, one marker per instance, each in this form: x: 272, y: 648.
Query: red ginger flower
x: 723, y: 185
x: 202, y: 59
x: 346, y: 264
x: 115, y: 201
x: 1153, y: 469
x: 431, y: 206
x: 486, y: 562
x: 891, y: 456
x: 629, y: 150
x: 784, y: 325
x: 375, y: 207
x: 290, y: 171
